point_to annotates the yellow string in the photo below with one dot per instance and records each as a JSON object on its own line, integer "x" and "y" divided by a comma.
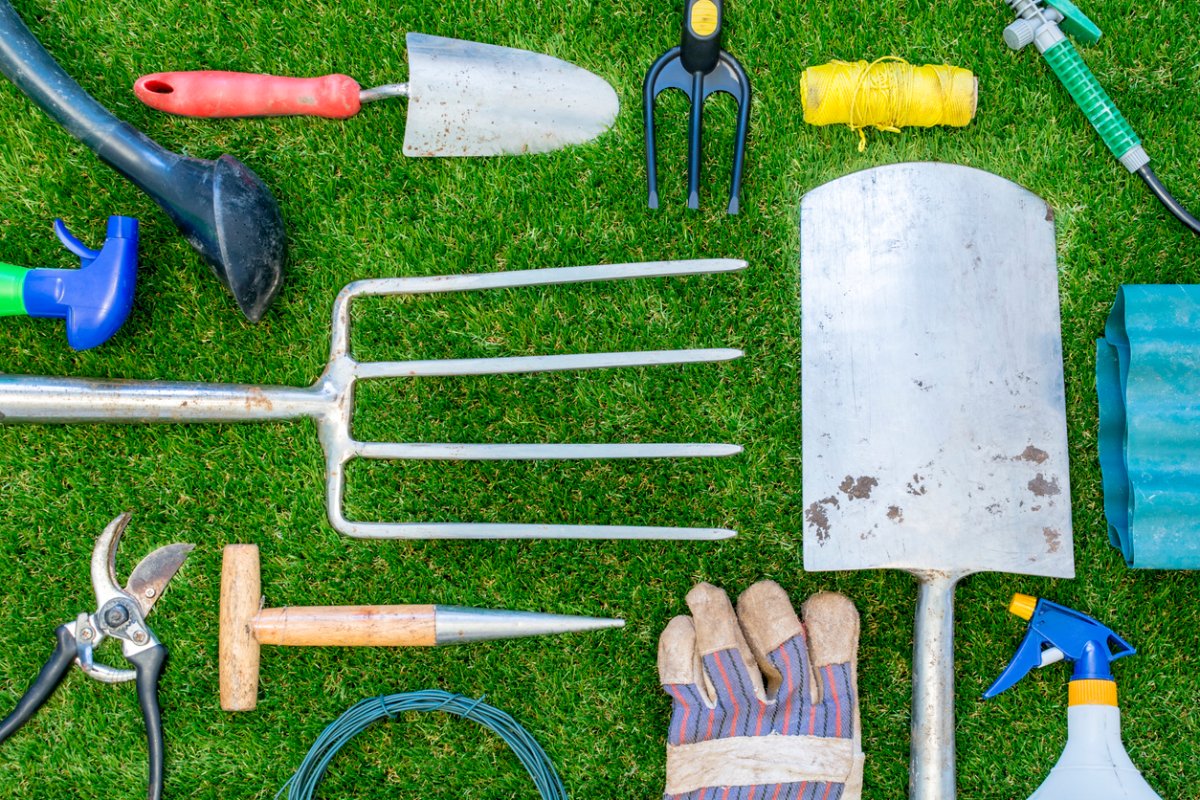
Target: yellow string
{"x": 887, "y": 94}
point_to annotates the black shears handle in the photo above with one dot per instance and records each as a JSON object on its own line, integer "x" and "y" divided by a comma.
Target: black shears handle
{"x": 148, "y": 666}
{"x": 44, "y": 685}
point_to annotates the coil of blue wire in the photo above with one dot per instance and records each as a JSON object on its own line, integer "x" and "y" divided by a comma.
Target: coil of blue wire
{"x": 303, "y": 783}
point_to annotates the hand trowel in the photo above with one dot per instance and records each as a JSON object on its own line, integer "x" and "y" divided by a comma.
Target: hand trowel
{"x": 464, "y": 98}
{"x": 934, "y": 422}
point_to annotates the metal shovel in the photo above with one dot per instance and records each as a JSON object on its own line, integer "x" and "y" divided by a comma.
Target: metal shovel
{"x": 330, "y": 402}
{"x": 934, "y": 427}
{"x": 464, "y": 98}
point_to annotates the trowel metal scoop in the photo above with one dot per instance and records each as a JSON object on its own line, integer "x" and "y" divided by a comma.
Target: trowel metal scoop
{"x": 464, "y": 98}
{"x": 934, "y": 429}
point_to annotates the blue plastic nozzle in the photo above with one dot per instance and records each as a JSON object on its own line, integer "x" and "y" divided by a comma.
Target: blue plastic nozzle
{"x": 1057, "y": 633}
{"x": 94, "y": 299}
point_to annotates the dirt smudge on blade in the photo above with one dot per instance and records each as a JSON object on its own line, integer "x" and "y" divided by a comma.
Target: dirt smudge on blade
{"x": 860, "y": 488}
{"x": 1053, "y": 540}
{"x": 1044, "y": 488}
{"x": 1033, "y": 455}
{"x": 818, "y": 518}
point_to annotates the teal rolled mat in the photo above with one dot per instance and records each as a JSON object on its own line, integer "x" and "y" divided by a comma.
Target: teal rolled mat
{"x": 1148, "y": 383}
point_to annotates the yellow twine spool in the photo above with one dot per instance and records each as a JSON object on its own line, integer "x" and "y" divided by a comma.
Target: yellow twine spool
{"x": 887, "y": 94}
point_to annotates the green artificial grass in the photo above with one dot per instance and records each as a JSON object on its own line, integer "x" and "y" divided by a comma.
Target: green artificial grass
{"x": 356, "y": 208}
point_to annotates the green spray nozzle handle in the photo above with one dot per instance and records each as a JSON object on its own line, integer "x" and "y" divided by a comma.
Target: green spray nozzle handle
{"x": 1075, "y": 22}
{"x": 1041, "y": 26}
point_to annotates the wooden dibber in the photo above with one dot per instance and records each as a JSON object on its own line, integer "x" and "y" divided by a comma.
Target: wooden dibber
{"x": 246, "y": 625}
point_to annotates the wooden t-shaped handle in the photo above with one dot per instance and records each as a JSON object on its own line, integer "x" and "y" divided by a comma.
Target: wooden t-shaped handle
{"x": 245, "y": 625}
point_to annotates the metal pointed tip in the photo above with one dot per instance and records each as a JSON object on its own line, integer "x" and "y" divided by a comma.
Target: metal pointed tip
{"x": 694, "y": 200}
{"x": 734, "y": 206}
{"x": 731, "y": 264}
{"x": 653, "y": 200}
{"x": 455, "y": 625}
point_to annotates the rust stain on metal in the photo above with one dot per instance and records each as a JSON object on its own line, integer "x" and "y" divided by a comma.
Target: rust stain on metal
{"x": 256, "y": 398}
{"x": 1053, "y": 540}
{"x": 1033, "y": 455}
{"x": 817, "y": 517}
{"x": 994, "y": 509}
{"x": 858, "y": 489}
{"x": 916, "y": 487}
{"x": 895, "y": 514}
{"x": 1044, "y": 488}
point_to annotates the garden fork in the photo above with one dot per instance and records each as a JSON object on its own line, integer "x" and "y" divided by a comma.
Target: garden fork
{"x": 329, "y": 402}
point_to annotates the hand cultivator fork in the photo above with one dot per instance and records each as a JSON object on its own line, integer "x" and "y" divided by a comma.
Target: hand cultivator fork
{"x": 698, "y": 67}
{"x": 329, "y": 402}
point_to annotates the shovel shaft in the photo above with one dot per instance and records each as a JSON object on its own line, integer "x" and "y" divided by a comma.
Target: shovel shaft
{"x": 931, "y": 776}
{"x": 215, "y": 93}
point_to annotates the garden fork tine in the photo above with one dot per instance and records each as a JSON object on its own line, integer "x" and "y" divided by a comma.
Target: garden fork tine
{"x": 699, "y": 68}
{"x": 329, "y": 402}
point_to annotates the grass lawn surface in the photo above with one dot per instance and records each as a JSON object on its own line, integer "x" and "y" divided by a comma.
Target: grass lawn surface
{"x": 357, "y": 208}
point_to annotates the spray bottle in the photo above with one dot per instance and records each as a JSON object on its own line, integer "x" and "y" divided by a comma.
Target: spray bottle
{"x": 1094, "y": 764}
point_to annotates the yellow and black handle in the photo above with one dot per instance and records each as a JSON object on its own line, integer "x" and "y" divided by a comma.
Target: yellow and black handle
{"x": 700, "y": 47}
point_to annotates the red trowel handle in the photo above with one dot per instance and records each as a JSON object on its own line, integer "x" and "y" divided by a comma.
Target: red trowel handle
{"x": 243, "y": 94}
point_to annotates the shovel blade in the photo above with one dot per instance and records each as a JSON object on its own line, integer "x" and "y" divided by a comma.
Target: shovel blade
{"x": 472, "y": 99}
{"x": 934, "y": 427}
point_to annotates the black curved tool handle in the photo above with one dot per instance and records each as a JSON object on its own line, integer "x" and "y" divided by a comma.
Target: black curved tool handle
{"x": 44, "y": 685}
{"x": 35, "y": 72}
{"x": 222, "y": 208}
{"x": 149, "y": 667}
{"x": 700, "y": 48}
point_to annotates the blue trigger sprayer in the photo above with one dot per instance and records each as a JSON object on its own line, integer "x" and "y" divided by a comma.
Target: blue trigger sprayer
{"x": 1094, "y": 764}
{"x": 94, "y": 299}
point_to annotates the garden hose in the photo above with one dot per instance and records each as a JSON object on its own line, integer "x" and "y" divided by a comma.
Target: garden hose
{"x": 303, "y": 783}
{"x": 1042, "y": 23}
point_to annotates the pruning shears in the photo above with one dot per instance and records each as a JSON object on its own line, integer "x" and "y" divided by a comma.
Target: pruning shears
{"x": 120, "y": 614}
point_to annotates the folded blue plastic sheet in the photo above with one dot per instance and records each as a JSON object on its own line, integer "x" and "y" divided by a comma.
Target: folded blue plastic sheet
{"x": 1148, "y": 382}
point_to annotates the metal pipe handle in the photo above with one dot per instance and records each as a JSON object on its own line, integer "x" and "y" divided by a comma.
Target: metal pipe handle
{"x": 25, "y": 398}
{"x": 931, "y": 776}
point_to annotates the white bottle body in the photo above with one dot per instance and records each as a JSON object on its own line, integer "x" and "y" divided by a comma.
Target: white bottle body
{"x": 1094, "y": 764}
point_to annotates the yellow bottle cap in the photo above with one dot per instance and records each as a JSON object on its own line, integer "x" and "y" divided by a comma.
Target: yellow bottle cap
{"x": 1023, "y": 606}
{"x": 1092, "y": 693}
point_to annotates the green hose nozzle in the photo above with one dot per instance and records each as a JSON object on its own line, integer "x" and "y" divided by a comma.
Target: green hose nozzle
{"x": 1042, "y": 23}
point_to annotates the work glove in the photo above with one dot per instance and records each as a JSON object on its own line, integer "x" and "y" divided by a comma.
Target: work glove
{"x": 764, "y": 707}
